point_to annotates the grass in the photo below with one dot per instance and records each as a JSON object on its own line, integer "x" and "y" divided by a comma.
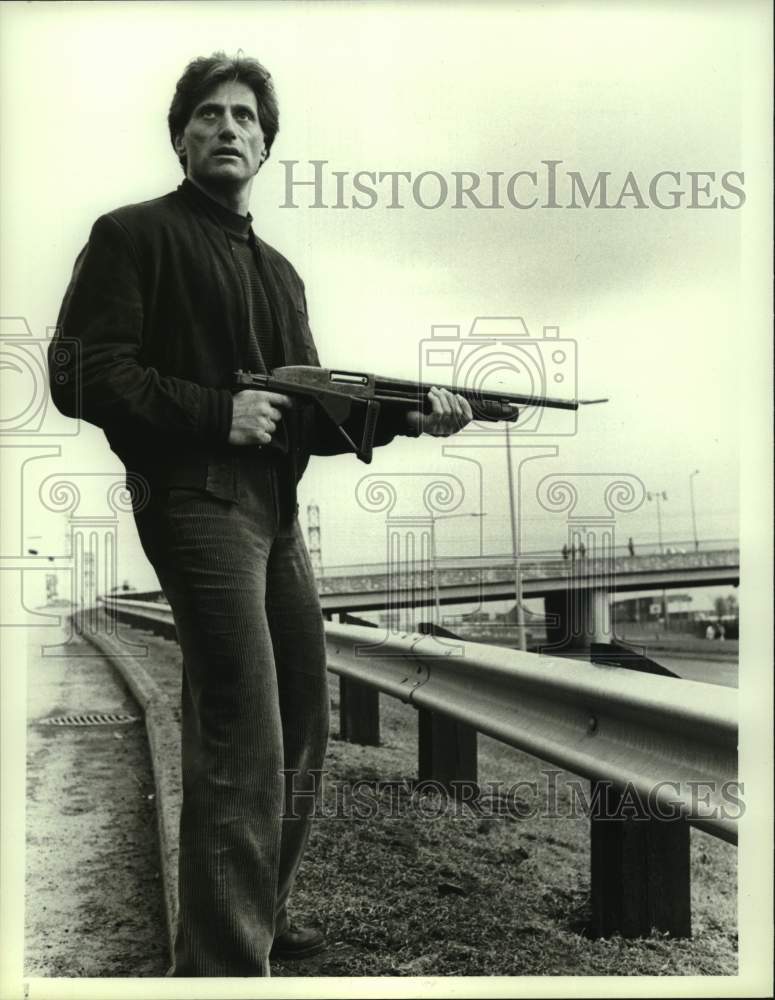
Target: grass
{"x": 452, "y": 893}
{"x": 443, "y": 891}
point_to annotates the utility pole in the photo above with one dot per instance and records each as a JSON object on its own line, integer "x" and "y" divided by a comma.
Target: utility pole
{"x": 435, "y": 573}
{"x": 313, "y": 531}
{"x": 520, "y": 614}
{"x": 658, "y": 497}
{"x": 434, "y": 557}
{"x": 694, "y": 513}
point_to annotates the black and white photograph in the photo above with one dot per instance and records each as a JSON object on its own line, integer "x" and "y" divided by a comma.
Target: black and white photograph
{"x": 386, "y": 442}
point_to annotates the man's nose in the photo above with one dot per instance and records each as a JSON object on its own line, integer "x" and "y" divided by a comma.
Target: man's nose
{"x": 227, "y": 129}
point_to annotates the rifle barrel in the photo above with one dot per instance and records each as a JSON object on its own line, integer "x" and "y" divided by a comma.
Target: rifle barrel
{"x": 400, "y": 389}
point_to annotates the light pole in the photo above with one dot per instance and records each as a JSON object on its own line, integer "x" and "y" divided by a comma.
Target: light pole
{"x": 435, "y": 572}
{"x": 434, "y": 566}
{"x": 659, "y": 496}
{"x": 694, "y": 513}
{"x": 520, "y": 614}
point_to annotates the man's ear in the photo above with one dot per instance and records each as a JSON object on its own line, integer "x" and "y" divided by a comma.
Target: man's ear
{"x": 180, "y": 144}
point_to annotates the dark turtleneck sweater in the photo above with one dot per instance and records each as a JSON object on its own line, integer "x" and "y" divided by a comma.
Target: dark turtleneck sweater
{"x": 262, "y": 348}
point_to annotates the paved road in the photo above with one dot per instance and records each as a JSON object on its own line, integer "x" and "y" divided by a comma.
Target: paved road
{"x": 718, "y": 671}
{"x": 93, "y": 890}
{"x": 715, "y": 669}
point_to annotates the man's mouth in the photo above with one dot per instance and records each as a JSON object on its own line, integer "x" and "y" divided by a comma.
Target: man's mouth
{"x": 227, "y": 151}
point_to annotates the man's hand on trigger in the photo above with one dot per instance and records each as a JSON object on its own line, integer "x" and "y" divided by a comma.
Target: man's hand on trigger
{"x": 450, "y": 412}
{"x": 255, "y": 416}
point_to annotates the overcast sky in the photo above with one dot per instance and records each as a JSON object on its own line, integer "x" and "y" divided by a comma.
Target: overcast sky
{"x": 655, "y": 302}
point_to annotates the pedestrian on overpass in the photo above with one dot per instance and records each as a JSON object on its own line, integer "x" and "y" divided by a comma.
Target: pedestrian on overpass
{"x": 168, "y": 298}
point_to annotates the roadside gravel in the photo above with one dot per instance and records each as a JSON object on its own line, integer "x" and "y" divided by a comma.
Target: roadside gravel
{"x": 93, "y": 887}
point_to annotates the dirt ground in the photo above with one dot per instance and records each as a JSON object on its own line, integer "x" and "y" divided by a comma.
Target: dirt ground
{"x": 93, "y": 899}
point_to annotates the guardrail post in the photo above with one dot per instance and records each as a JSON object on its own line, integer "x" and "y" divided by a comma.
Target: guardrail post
{"x": 447, "y": 751}
{"x": 641, "y": 865}
{"x": 640, "y": 871}
{"x": 358, "y": 704}
{"x": 358, "y": 713}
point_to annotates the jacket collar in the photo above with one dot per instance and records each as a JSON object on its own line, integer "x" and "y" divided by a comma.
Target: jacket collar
{"x": 240, "y": 225}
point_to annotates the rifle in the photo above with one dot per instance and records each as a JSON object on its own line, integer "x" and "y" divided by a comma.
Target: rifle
{"x": 337, "y": 392}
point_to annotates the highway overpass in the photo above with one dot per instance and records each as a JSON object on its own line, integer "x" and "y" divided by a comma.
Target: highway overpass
{"x": 491, "y": 578}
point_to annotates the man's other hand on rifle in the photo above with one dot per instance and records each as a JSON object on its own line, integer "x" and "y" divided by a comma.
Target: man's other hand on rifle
{"x": 450, "y": 412}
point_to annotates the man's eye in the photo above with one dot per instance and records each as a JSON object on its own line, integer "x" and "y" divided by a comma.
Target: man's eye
{"x": 207, "y": 114}
{"x": 244, "y": 116}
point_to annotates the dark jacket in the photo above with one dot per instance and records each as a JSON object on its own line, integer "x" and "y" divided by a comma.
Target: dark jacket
{"x": 152, "y": 326}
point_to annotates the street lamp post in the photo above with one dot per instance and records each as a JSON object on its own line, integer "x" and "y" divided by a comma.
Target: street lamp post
{"x": 520, "y": 614}
{"x": 435, "y": 572}
{"x": 434, "y": 565}
{"x": 658, "y": 497}
{"x": 694, "y": 513}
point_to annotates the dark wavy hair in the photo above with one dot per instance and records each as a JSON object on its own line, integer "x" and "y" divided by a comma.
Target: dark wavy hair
{"x": 204, "y": 74}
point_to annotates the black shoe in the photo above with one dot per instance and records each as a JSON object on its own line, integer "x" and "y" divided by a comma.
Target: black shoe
{"x": 297, "y": 942}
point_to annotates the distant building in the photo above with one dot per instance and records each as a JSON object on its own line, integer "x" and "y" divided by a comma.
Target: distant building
{"x": 648, "y": 607}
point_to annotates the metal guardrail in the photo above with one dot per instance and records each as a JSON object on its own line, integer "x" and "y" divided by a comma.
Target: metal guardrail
{"x": 668, "y": 743}
{"x": 150, "y": 596}
{"x": 657, "y": 735}
{"x": 654, "y": 734}
{"x": 155, "y": 614}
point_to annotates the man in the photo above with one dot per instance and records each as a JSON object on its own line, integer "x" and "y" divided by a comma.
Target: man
{"x": 167, "y": 300}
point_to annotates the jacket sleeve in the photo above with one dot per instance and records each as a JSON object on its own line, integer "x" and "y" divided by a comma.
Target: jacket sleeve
{"x": 104, "y": 380}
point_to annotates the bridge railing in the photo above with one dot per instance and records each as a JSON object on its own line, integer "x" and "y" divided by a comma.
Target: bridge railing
{"x": 497, "y": 569}
{"x": 667, "y": 744}
{"x": 544, "y": 556}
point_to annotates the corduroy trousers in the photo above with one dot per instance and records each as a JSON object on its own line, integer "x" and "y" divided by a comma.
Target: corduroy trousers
{"x": 254, "y": 711}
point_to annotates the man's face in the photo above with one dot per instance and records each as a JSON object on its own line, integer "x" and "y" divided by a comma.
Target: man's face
{"x": 223, "y": 140}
